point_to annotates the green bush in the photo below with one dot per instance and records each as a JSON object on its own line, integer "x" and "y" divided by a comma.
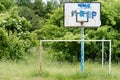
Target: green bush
{"x": 7, "y": 3}
{"x": 2, "y": 7}
{"x": 15, "y": 23}
{"x": 11, "y": 47}
{"x": 30, "y": 40}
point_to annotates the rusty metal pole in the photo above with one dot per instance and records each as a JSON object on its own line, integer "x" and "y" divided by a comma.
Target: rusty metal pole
{"x": 41, "y": 52}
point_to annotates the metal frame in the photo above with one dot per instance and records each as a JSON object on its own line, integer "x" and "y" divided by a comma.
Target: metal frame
{"x": 41, "y": 48}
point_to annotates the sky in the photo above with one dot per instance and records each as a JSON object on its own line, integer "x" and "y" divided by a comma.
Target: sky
{"x": 32, "y": 1}
{"x": 45, "y": 1}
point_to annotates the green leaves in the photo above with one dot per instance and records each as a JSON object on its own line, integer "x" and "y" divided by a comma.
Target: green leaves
{"x": 2, "y": 7}
{"x": 14, "y": 23}
{"x": 15, "y": 35}
{"x": 22, "y": 25}
{"x": 7, "y": 4}
{"x": 50, "y": 32}
{"x": 56, "y": 18}
{"x": 11, "y": 47}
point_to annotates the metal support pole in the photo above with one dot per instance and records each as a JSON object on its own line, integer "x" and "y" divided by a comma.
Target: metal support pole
{"x": 102, "y": 53}
{"x": 110, "y": 58}
{"x": 41, "y": 52}
{"x": 82, "y": 50}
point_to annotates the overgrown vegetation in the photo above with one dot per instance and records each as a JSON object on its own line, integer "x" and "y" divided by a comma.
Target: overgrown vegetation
{"x": 29, "y": 70}
{"x": 23, "y": 23}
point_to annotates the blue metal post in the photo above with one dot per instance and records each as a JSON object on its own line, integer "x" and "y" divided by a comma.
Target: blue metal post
{"x": 82, "y": 50}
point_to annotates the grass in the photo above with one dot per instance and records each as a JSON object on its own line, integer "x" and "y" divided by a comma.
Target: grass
{"x": 56, "y": 71}
{"x": 93, "y": 71}
{"x": 29, "y": 70}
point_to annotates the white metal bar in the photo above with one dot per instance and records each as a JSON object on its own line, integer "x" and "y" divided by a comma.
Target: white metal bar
{"x": 110, "y": 58}
{"x": 74, "y": 40}
{"x": 102, "y": 53}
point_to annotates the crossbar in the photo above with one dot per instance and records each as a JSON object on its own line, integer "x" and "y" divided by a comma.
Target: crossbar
{"x": 74, "y": 40}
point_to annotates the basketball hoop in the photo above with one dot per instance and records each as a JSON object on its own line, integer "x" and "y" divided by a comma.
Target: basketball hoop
{"x": 82, "y": 14}
{"x": 81, "y": 22}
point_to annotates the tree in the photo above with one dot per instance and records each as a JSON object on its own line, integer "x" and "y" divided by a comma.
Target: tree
{"x": 56, "y": 17}
{"x": 11, "y": 47}
{"x": 7, "y": 3}
{"x": 14, "y": 23}
{"x": 32, "y": 17}
{"x": 2, "y": 7}
{"x": 24, "y": 2}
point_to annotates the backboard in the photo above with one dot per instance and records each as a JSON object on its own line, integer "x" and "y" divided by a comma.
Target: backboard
{"x": 82, "y": 14}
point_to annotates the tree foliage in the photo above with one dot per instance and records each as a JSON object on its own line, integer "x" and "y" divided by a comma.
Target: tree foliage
{"x": 7, "y": 3}
{"x": 23, "y": 23}
{"x": 11, "y": 47}
{"x": 15, "y": 34}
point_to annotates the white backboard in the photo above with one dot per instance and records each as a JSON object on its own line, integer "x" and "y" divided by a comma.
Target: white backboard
{"x": 82, "y": 14}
